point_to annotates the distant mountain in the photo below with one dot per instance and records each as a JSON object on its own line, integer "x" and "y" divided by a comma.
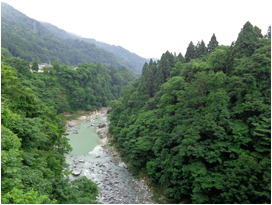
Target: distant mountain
{"x": 131, "y": 60}
{"x": 32, "y": 40}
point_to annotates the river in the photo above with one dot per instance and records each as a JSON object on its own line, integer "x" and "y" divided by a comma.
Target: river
{"x": 116, "y": 184}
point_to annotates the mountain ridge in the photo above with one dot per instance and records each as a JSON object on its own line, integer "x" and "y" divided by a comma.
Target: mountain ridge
{"x": 41, "y": 41}
{"x": 125, "y": 56}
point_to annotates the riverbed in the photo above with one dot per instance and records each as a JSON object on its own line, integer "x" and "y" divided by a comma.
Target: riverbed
{"x": 116, "y": 184}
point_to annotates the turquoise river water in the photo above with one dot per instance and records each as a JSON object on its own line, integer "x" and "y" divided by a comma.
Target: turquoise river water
{"x": 116, "y": 184}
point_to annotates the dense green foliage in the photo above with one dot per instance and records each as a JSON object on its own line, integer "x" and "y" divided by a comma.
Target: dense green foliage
{"x": 31, "y": 40}
{"x": 33, "y": 149}
{"x": 32, "y": 146}
{"x": 201, "y": 127}
{"x": 64, "y": 89}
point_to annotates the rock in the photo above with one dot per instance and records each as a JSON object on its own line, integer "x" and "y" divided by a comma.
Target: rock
{"x": 101, "y": 125}
{"x": 70, "y": 125}
{"x": 97, "y": 157}
{"x": 82, "y": 161}
{"x": 66, "y": 133}
{"x": 83, "y": 118}
{"x": 109, "y": 110}
{"x": 122, "y": 164}
{"x": 75, "y": 132}
{"x": 76, "y": 172}
{"x": 71, "y": 129}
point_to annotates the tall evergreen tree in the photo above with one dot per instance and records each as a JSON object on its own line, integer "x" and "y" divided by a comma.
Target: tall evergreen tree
{"x": 181, "y": 58}
{"x": 268, "y": 35}
{"x": 159, "y": 79}
{"x": 212, "y": 44}
{"x": 167, "y": 62}
{"x": 200, "y": 50}
{"x": 143, "y": 90}
{"x": 150, "y": 78}
{"x": 258, "y": 32}
{"x": 190, "y": 52}
{"x": 247, "y": 41}
{"x": 197, "y": 54}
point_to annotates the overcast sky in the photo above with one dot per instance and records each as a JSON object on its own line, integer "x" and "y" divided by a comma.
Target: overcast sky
{"x": 150, "y": 27}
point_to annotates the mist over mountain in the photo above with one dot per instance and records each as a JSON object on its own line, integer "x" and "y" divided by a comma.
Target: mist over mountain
{"x": 131, "y": 60}
{"x": 33, "y": 40}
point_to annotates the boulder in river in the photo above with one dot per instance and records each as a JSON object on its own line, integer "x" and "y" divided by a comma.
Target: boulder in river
{"x": 71, "y": 129}
{"x": 83, "y": 118}
{"x": 101, "y": 125}
{"x": 75, "y": 132}
{"x": 122, "y": 164}
{"x": 76, "y": 172}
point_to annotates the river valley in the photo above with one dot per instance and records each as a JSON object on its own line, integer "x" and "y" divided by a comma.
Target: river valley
{"x": 92, "y": 157}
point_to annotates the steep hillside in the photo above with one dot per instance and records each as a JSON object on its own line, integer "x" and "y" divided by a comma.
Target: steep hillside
{"x": 200, "y": 126}
{"x": 131, "y": 60}
{"x": 29, "y": 39}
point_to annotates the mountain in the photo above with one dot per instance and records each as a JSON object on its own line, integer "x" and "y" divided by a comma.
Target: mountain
{"x": 31, "y": 40}
{"x": 131, "y": 60}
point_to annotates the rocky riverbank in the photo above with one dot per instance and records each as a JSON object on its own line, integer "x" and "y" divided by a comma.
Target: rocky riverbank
{"x": 141, "y": 185}
{"x": 86, "y": 116}
{"x": 104, "y": 166}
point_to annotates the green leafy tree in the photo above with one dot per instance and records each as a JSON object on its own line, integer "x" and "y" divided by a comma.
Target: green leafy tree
{"x": 35, "y": 66}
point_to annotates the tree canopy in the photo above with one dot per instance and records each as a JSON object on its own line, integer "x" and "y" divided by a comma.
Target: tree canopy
{"x": 201, "y": 129}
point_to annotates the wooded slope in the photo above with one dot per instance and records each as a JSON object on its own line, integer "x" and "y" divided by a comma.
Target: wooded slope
{"x": 200, "y": 126}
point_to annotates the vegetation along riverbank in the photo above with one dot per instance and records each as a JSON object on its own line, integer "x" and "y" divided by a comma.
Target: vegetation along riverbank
{"x": 193, "y": 128}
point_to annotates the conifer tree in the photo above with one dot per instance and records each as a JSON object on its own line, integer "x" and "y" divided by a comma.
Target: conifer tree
{"x": 167, "y": 62}
{"x": 181, "y": 58}
{"x": 159, "y": 79}
{"x": 212, "y": 44}
{"x": 247, "y": 40}
{"x": 200, "y": 50}
{"x": 190, "y": 52}
{"x": 197, "y": 54}
{"x": 150, "y": 78}
{"x": 143, "y": 91}
{"x": 258, "y": 32}
{"x": 268, "y": 35}
{"x": 153, "y": 72}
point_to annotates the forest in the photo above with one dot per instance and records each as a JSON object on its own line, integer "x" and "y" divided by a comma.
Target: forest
{"x": 33, "y": 40}
{"x": 32, "y": 147}
{"x": 199, "y": 125}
